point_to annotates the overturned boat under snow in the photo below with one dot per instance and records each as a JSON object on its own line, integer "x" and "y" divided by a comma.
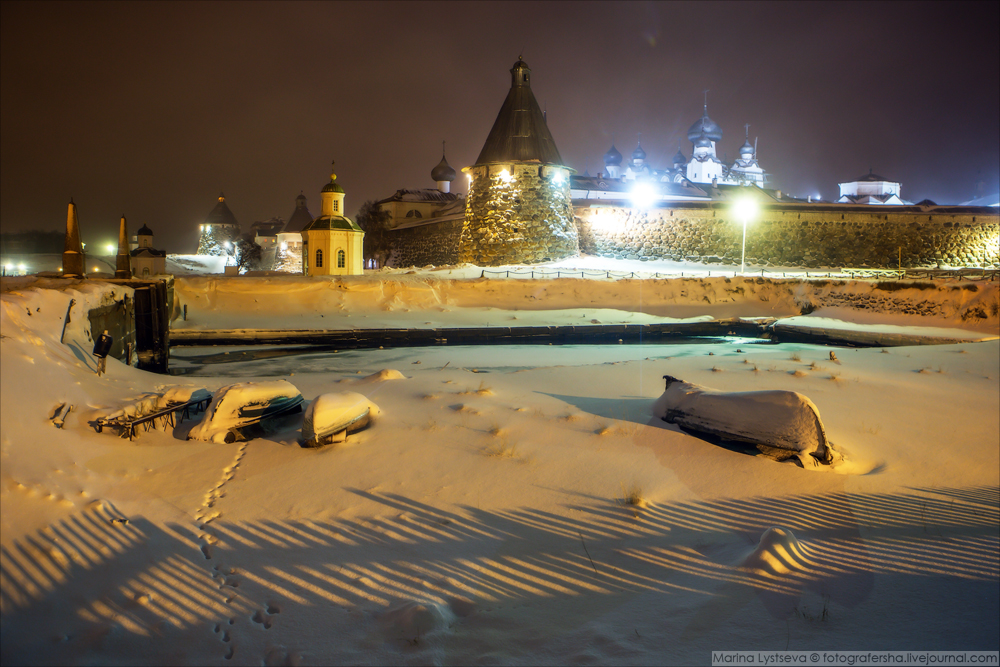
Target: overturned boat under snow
{"x": 247, "y": 410}
{"x": 330, "y": 417}
{"x": 782, "y": 425}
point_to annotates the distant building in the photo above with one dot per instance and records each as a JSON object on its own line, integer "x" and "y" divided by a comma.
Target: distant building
{"x": 145, "y": 260}
{"x": 704, "y": 167}
{"x": 332, "y": 243}
{"x": 871, "y": 189}
{"x": 288, "y": 256}
{"x": 988, "y": 200}
{"x": 265, "y": 232}
{"x": 218, "y": 229}
{"x": 408, "y": 207}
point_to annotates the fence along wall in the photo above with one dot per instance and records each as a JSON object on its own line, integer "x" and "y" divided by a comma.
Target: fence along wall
{"x": 799, "y": 236}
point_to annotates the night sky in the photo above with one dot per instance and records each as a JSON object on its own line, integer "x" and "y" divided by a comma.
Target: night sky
{"x": 151, "y": 109}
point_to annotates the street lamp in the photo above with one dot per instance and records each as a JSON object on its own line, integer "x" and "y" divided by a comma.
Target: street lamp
{"x": 745, "y": 208}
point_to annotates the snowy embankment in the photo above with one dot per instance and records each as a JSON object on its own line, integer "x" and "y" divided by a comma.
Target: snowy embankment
{"x": 501, "y": 510}
{"x": 422, "y": 300}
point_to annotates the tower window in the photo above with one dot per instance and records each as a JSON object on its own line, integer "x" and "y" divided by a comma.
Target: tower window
{"x": 319, "y": 259}
{"x": 341, "y": 259}
{"x": 336, "y": 205}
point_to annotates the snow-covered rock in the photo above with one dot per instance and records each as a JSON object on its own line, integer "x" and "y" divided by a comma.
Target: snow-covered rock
{"x": 243, "y": 404}
{"x": 331, "y": 416}
{"x": 782, "y": 420}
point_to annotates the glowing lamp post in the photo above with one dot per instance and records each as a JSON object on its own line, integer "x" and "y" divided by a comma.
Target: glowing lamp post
{"x": 745, "y": 209}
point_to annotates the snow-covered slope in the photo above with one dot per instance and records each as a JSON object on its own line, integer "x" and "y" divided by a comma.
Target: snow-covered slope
{"x": 510, "y": 505}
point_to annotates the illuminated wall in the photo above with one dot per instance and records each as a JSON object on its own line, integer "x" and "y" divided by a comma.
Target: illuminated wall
{"x": 517, "y": 214}
{"x": 432, "y": 244}
{"x": 796, "y": 235}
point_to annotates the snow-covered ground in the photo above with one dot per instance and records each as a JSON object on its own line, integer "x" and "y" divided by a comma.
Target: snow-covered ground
{"x": 510, "y": 504}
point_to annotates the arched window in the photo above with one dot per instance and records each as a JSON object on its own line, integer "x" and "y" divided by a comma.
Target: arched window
{"x": 319, "y": 258}
{"x": 341, "y": 259}
{"x": 145, "y": 271}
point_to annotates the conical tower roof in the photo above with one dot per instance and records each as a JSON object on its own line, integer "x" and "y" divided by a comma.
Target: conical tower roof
{"x": 519, "y": 133}
{"x": 221, "y": 215}
{"x": 300, "y": 216}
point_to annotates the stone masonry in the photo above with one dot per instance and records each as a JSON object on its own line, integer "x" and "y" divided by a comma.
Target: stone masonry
{"x": 799, "y": 236}
{"x": 431, "y": 244}
{"x": 514, "y": 215}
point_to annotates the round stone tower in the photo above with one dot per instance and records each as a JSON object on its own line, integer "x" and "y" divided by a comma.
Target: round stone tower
{"x": 518, "y": 209}
{"x": 219, "y": 228}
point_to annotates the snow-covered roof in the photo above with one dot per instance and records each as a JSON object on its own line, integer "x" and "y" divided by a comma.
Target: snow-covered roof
{"x": 425, "y": 195}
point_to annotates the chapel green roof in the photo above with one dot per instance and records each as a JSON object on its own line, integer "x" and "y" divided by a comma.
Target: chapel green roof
{"x": 332, "y": 222}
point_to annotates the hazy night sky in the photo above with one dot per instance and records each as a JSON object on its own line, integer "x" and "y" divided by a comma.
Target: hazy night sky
{"x": 151, "y": 109}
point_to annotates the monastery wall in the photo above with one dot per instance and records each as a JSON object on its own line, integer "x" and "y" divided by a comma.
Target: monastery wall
{"x": 431, "y": 244}
{"x": 800, "y": 236}
{"x": 809, "y": 237}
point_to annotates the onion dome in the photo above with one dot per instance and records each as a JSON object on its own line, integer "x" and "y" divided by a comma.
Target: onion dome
{"x": 679, "y": 157}
{"x": 612, "y": 158}
{"x": 332, "y": 186}
{"x": 144, "y": 231}
{"x": 746, "y": 148}
{"x": 702, "y": 141}
{"x": 705, "y": 126}
{"x": 443, "y": 171}
{"x": 638, "y": 153}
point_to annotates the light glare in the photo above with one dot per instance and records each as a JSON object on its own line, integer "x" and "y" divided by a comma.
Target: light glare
{"x": 643, "y": 195}
{"x": 745, "y": 208}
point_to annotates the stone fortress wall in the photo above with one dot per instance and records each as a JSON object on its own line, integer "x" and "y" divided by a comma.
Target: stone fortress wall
{"x": 803, "y": 235}
{"x": 431, "y": 244}
{"x": 806, "y": 235}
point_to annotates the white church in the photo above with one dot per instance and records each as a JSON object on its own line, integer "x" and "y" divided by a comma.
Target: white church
{"x": 703, "y": 177}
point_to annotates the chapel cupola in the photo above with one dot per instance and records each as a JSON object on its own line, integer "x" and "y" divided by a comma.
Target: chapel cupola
{"x": 332, "y": 196}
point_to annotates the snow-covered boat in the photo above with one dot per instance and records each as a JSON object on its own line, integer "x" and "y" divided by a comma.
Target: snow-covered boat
{"x": 781, "y": 424}
{"x": 247, "y": 409}
{"x": 330, "y": 417}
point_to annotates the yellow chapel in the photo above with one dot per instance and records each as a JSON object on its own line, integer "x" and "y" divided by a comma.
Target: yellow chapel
{"x": 332, "y": 243}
